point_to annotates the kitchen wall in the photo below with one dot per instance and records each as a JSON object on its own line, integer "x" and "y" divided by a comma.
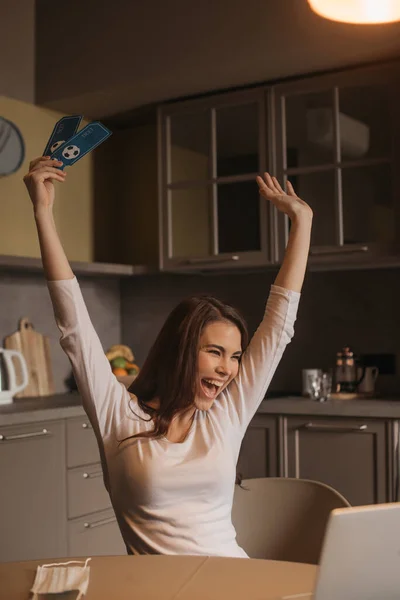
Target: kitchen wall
{"x": 17, "y": 49}
{"x": 73, "y": 209}
{"x": 359, "y": 308}
{"x": 24, "y": 295}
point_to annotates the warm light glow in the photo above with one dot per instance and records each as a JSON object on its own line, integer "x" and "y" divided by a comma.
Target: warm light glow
{"x": 358, "y": 11}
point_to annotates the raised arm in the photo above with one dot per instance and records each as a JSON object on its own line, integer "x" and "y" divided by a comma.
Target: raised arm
{"x": 266, "y": 348}
{"x": 102, "y": 395}
{"x": 292, "y": 271}
{"x": 39, "y": 182}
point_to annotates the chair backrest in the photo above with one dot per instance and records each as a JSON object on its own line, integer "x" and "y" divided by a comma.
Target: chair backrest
{"x": 281, "y": 518}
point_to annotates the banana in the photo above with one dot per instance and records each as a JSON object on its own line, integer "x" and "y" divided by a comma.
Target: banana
{"x": 120, "y": 350}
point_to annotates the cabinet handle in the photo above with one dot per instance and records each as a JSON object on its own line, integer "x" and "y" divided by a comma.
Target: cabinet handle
{"x": 338, "y": 250}
{"x": 86, "y": 426}
{"x": 92, "y": 475}
{"x": 397, "y": 491}
{"x": 21, "y": 436}
{"x": 99, "y": 523}
{"x": 210, "y": 261}
{"x": 341, "y": 428}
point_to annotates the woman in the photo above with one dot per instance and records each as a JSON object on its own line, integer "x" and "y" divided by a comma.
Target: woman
{"x": 169, "y": 450}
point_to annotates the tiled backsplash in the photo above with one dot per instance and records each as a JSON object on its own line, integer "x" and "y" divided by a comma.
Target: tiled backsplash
{"x": 27, "y": 295}
{"x": 359, "y": 308}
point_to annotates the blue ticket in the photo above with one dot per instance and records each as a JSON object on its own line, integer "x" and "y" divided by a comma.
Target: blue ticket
{"x": 81, "y": 143}
{"x": 63, "y": 130}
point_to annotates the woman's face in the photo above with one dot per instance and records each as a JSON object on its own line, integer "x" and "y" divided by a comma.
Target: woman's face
{"x": 218, "y": 361}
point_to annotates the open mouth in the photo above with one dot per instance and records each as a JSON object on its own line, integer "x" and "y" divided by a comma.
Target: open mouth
{"x": 210, "y": 387}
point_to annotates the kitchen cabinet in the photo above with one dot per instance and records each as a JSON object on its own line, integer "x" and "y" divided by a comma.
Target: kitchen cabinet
{"x": 95, "y": 535}
{"x": 351, "y": 455}
{"x": 211, "y": 151}
{"x": 338, "y": 143}
{"x": 358, "y": 457}
{"x": 92, "y": 525}
{"x": 33, "y": 491}
{"x": 53, "y": 502}
{"x": 178, "y": 192}
{"x": 260, "y": 453}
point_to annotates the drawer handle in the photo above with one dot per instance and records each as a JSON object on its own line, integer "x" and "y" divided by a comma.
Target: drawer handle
{"x": 341, "y": 428}
{"x": 86, "y": 426}
{"x": 23, "y": 436}
{"x": 339, "y": 250}
{"x": 92, "y": 475}
{"x": 99, "y": 523}
{"x": 209, "y": 261}
{"x": 397, "y": 495}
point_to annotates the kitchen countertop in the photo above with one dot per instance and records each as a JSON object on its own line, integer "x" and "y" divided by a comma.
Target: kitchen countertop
{"x": 61, "y": 406}
{"x": 378, "y": 408}
{"x": 44, "y": 408}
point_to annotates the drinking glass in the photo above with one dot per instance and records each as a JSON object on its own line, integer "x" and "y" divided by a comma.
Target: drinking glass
{"x": 320, "y": 386}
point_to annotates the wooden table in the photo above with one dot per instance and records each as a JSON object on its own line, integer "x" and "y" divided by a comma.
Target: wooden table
{"x": 173, "y": 578}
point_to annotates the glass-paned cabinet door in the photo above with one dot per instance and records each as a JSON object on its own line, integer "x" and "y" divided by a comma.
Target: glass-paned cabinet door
{"x": 365, "y": 122}
{"x": 212, "y": 150}
{"x": 190, "y": 212}
{"x": 307, "y": 155}
{"x": 366, "y": 126}
{"x": 318, "y": 189}
{"x": 238, "y": 207}
{"x": 337, "y": 141}
{"x": 310, "y": 131}
{"x": 189, "y": 147}
{"x": 237, "y": 147}
{"x": 368, "y": 206}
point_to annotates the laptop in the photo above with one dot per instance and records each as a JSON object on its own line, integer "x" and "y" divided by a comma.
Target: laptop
{"x": 360, "y": 557}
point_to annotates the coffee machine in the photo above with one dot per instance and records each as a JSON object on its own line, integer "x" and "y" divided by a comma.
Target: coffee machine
{"x": 347, "y": 374}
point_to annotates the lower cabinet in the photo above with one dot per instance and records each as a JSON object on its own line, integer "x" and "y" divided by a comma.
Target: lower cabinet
{"x": 351, "y": 455}
{"x": 92, "y": 527}
{"x": 86, "y": 491}
{"x": 259, "y": 454}
{"x": 53, "y": 502}
{"x": 33, "y": 495}
{"x": 358, "y": 457}
{"x": 94, "y": 535}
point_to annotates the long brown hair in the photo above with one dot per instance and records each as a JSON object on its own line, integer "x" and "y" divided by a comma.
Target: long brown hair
{"x": 169, "y": 372}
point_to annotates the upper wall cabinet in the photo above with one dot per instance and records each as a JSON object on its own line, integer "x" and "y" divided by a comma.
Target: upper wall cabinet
{"x": 338, "y": 143}
{"x": 211, "y": 151}
{"x": 179, "y": 192}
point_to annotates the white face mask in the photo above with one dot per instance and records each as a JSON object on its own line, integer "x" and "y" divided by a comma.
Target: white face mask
{"x": 58, "y": 578}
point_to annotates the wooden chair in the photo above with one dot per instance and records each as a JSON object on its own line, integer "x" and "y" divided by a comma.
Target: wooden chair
{"x": 282, "y": 518}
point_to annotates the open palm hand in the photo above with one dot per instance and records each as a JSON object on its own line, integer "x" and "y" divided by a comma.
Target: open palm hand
{"x": 286, "y": 202}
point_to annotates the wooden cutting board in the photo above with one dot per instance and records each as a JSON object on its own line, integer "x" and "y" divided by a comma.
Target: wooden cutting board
{"x": 35, "y": 348}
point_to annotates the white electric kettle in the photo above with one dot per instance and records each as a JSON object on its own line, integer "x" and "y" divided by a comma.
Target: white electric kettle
{"x": 8, "y": 375}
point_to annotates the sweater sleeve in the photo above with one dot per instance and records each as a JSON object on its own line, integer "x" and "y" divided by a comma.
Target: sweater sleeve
{"x": 103, "y": 396}
{"x": 261, "y": 358}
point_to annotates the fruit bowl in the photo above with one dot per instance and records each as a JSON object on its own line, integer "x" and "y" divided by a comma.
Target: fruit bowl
{"x": 121, "y": 359}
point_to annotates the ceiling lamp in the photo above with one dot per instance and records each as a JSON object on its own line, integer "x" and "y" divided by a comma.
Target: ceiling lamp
{"x": 358, "y": 11}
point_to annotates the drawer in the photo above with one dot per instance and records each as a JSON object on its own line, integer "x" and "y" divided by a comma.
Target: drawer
{"x": 95, "y": 535}
{"x": 33, "y": 494}
{"x": 86, "y": 491}
{"x": 82, "y": 446}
